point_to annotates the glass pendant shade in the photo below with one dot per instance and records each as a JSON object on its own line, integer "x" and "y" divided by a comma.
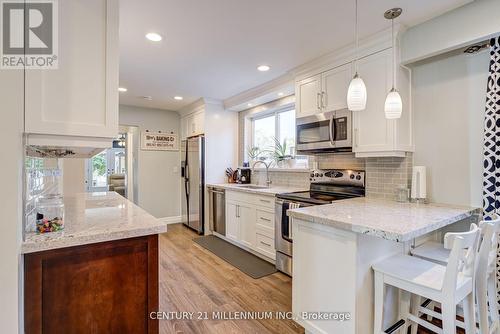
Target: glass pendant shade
{"x": 393, "y": 105}
{"x": 356, "y": 94}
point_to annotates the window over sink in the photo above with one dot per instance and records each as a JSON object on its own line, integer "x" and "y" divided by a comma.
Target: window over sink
{"x": 278, "y": 126}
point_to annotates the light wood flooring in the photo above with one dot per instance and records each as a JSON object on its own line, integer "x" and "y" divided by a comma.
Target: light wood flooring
{"x": 192, "y": 279}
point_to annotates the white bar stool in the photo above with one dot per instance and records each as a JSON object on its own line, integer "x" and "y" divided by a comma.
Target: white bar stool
{"x": 449, "y": 285}
{"x": 486, "y": 285}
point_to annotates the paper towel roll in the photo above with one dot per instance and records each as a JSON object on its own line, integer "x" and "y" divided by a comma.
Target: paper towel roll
{"x": 418, "y": 183}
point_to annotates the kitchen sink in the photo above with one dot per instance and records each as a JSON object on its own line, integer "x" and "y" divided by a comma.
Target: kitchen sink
{"x": 253, "y": 186}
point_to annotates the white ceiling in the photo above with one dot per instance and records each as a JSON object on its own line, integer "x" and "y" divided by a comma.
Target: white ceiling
{"x": 211, "y": 48}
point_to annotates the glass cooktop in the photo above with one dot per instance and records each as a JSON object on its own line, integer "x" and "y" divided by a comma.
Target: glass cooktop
{"x": 313, "y": 197}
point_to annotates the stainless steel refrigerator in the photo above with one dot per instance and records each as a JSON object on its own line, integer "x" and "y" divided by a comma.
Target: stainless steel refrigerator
{"x": 193, "y": 182}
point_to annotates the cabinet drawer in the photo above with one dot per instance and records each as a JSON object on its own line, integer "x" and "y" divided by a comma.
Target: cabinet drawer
{"x": 265, "y": 219}
{"x": 265, "y": 245}
{"x": 265, "y": 201}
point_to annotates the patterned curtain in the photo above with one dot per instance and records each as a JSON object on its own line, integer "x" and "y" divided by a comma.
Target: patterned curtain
{"x": 491, "y": 171}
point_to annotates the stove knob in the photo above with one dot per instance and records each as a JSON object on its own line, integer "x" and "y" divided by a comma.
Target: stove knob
{"x": 321, "y": 175}
{"x": 358, "y": 177}
{"x": 317, "y": 174}
{"x": 312, "y": 174}
{"x": 310, "y": 179}
{"x": 351, "y": 176}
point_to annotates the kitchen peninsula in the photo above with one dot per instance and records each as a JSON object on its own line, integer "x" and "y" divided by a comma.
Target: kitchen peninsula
{"x": 99, "y": 274}
{"x": 335, "y": 246}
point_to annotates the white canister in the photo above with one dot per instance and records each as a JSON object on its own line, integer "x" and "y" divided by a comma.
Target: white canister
{"x": 418, "y": 183}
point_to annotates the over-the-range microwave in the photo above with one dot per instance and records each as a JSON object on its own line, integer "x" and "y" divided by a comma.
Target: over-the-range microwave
{"x": 325, "y": 132}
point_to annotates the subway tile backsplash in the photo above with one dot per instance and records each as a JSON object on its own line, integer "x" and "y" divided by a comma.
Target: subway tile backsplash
{"x": 384, "y": 175}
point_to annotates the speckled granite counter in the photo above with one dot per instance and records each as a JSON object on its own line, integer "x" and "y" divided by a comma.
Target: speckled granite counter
{"x": 271, "y": 191}
{"x": 385, "y": 219}
{"x": 95, "y": 217}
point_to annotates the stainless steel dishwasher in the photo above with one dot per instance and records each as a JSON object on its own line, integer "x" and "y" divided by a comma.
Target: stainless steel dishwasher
{"x": 217, "y": 210}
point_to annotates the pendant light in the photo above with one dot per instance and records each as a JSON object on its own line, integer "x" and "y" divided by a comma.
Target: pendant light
{"x": 356, "y": 94}
{"x": 393, "y": 103}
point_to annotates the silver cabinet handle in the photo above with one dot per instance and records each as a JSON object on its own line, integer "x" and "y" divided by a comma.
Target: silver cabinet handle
{"x": 317, "y": 101}
{"x": 265, "y": 219}
{"x": 355, "y": 137}
{"x": 323, "y": 99}
{"x": 264, "y": 201}
{"x": 265, "y": 243}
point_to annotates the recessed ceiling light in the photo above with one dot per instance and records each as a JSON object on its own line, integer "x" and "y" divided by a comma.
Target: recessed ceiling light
{"x": 122, "y": 89}
{"x": 281, "y": 94}
{"x": 154, "y": 37}
{"x": 263, "y": 68}
{"x": 178, "y": 98}
{"x": 147, "y": 97}
{"x": 249, "y": 105}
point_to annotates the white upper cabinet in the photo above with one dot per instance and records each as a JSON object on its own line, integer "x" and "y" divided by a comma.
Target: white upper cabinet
{"x": 373, "y": 134}
{"x": 323, "y": 92}
{"x": 193, "y": 124}
{"x": 80, "y": 98}
{"x": 308, "y": 96}
{"x": 335, "y": 84}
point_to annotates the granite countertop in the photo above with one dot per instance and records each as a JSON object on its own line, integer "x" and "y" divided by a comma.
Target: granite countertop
{"x": 385, "y": 219}
{"x": 271, "y": 191}
{"x": 95, "y": 217}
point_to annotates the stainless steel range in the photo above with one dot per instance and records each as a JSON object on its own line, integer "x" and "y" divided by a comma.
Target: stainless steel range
{"x": 326, "y": 187}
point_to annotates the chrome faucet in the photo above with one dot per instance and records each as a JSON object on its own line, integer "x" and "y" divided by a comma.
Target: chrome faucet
{"x": 268, "y": 181}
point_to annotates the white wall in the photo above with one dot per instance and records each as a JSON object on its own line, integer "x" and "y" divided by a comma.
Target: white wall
{"x": 11, "y": 168}
{"x": 449, "y": 102}
{"x": 158, "y": 176}
{"x": 466, "y": 25}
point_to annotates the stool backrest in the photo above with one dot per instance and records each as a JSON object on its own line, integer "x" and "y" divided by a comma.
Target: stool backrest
{"x": 460, "y": 261}
{"x": 488, "y": 250}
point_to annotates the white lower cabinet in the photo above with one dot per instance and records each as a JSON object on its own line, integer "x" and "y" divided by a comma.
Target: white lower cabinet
{"x": 250, "y": 221}
{"x": 232, "y": 221}
{"x": 246, "y": 214}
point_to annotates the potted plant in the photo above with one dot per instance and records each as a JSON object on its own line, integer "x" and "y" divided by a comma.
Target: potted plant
{"x": 254, "y": 154}
{"x": 280, "y": 154}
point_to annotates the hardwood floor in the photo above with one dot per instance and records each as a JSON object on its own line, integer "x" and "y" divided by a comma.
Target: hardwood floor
{"x": 193, "y": 279}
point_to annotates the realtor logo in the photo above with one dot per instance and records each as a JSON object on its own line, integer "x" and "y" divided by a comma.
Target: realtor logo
{"x": 29, "y": 34}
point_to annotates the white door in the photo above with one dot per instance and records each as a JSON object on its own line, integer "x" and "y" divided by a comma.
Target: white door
{"x": 232, "y": 223}
{"x": 308, "y": 96}
{"x": 80, "y": 98}
{"x": 335, "y": 84}
{"x": 102, "y": 165}
{"x": 372, "y": 131}
{"x": 248, "y": 220}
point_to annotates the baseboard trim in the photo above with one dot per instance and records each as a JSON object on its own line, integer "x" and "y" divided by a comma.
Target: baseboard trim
{"x": 171, "y": 220}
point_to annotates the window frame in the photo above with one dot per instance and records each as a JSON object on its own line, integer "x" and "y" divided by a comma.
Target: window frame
{"x": 275, "y": 113}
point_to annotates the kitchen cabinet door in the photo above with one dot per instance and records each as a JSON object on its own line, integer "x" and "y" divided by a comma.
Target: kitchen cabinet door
{"x": 184, "y": 127}
{"x": 308, "y": 96}
{"x": 372, "y": 131}
{"x": 247, "y": 223}
{"x": 232, "y": 221}
{"x": 199, "y": 123}
{"x": 80, "y": 98}
{"x": 335, "y": 84}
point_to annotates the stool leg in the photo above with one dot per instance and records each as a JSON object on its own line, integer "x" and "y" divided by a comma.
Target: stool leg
{"x": 492, "y": 300}
{"x": 404, "y": 308}
{"x": 416, "y": 301}
{"x": 482, "y": 303}
{"x": 378, "y": 303}
{"x": 469, "y": 314}
{"x": 449, "y": 313}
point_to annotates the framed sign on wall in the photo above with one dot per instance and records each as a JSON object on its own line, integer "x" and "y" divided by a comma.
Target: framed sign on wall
{"x": 159, "y": 141}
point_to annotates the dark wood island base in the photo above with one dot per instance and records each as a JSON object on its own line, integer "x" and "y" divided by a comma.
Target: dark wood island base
{"x": 107, "y": 287}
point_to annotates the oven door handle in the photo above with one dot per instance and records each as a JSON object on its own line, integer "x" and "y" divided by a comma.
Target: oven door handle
{"x": 332, "y": 129}
{"x": 285, "y": 223}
